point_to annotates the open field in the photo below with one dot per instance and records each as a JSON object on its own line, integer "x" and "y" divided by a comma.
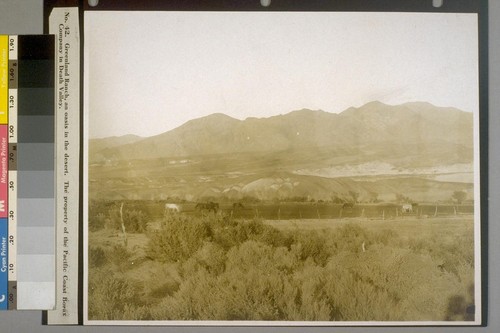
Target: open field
{"x": 155, "y": 209}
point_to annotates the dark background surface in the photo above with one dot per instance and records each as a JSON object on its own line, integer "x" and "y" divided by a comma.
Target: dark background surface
{"x": 26, "y": 17}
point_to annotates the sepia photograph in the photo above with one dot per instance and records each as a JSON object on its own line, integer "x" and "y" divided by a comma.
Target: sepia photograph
{"x": 281, "y": 168}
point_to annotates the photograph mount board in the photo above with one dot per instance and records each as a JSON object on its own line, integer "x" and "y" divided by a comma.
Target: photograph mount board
{"x": 342, "y": 146}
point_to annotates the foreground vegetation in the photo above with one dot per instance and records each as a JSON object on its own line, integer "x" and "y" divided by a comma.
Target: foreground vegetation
{"x": 215, "y": 267}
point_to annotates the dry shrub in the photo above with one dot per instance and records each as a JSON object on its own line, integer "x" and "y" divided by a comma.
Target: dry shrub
{"x": 109, "y": 296}
{"x": 178, "y": 239}
{"x": 224, "y": 269}
{"x": 97, "y": 257}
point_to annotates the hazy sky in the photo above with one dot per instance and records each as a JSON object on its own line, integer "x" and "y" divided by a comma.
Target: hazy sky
{"x": 149, "y": 72}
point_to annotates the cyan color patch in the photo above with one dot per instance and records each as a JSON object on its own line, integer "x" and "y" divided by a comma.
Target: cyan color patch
{"x": 4, "y": 266}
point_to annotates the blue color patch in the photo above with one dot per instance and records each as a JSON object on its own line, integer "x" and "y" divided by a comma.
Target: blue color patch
{"x": 4, "y": 263}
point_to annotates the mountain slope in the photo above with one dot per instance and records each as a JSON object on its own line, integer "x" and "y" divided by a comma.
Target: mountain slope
{"x": 372, "y": 124}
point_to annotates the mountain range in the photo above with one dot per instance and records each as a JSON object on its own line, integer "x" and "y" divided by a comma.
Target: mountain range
{"x": 414, "y": 148}
{"x": 375, "y": 123}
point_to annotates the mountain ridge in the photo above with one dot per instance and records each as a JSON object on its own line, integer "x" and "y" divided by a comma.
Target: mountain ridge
{"x": 374, "y": 122}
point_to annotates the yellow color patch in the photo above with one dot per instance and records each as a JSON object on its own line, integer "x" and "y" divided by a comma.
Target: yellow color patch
{"x": 4, "y": 78}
